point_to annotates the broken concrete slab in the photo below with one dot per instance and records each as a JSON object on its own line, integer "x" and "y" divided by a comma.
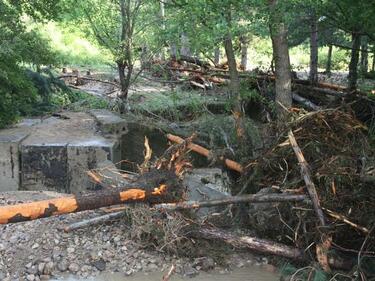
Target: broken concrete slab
{"x": 109, "y": 123}
{"x": 9, "y": 158}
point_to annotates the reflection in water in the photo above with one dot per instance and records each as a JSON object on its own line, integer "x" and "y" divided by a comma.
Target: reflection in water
{"x": 246, "y": 274}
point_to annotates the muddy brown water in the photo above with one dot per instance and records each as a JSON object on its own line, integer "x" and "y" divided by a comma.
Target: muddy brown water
{"x": 252, "y": 273}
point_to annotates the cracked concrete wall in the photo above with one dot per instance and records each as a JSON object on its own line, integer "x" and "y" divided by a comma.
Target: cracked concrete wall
{"x": 9, "y": 160}
{"x": 55, "y": 154}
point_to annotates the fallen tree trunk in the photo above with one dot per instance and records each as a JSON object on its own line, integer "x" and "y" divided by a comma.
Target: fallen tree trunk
{"x": 205, "y": 152}
{"x": 305, "y": 102}
{"x": 253, "y": 243}
{"x": 193, "y": 60}
{"x": 89, "y": 79}
{"x": 251, "y": 198}
{"x": 266, "y": 246}
{"x": 152, "y": 187}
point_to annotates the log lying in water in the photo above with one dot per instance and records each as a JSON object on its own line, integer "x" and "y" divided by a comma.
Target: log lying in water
{"x": 267, "y": 246}
{"x": 152, "y": 187}
{"x": 253, "y": 243}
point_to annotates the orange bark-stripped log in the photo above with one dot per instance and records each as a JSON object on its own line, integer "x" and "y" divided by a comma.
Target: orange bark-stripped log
{"x": 153, "y": 187}
{"x": 205, "y": 152}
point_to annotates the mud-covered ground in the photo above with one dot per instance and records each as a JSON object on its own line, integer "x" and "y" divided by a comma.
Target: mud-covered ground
{"x": 41, "y": 250}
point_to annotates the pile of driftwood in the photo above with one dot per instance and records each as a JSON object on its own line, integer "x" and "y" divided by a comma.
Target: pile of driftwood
{"x": 202, "y": 75}
{"x": 159, "y": 185}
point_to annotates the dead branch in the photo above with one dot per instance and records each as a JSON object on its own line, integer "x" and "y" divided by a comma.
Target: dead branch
{"x": 94, "y": 221}
{"x": 305, "y": 172}
{"x": 205, "y": 152}
{"x": 322, "y": 247}
{"x": 346, "y": 220}
{"x": 169, "y": 273}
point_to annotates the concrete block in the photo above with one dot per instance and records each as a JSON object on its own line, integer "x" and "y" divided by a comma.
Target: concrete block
{"x": 9, "y": 159}
{"x": 83, "y": 158}
{"x": 45, "y": 167}
{"x": 108, "y": 122}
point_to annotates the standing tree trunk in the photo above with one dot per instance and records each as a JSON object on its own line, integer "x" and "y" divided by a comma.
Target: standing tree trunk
{"x": 162, "y": 16}
{"x": 314, "y": 50}
{"x": 283, "y": 81}
{"x": 364, "y": 55}
{"x": 373, "y": 62}
{"x": 185, "y": 48}
{"x": 235, "y": 87}
{"x": 125, "y": 61}
{"x": 244, "y": 47}
{"x": 353, "y": 66}
{"x": 329, "y": 60}
{"x": 217, "y": 56}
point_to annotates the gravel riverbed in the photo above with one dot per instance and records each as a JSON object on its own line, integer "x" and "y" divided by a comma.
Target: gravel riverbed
{"x": 41, "y": 250}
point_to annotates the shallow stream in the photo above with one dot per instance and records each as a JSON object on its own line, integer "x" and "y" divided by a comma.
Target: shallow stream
{"x": 250, "y": 273}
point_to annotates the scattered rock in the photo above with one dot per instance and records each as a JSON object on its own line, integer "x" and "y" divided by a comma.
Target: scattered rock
{"x": 62, "y": 266}
{"x": 189, "y": 271}
{"x": 204, "y": 263}
{"x": 30, "y": 277}
{"x": 99, "y": 264}
{"x": 49, "y": 268}
{"x": 70, "y": 250}
{"x": 41, "y": 267}
{"x": 73, "y": 267}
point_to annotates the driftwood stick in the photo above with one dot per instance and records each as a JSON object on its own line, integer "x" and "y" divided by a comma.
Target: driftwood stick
{"x": 170, "y": 272}
{"x": 346, "y": 220}
{"x": 94, "y": 221}
{"x": 205, "y": 152}
{"x": 323, "y": 247}
{"x": 305, "y": 172}
{"x": 252, "y": 198}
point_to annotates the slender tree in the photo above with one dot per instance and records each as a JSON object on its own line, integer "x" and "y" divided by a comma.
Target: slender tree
{"x": 313, "y": 48}
{"x": 283, "y": 83}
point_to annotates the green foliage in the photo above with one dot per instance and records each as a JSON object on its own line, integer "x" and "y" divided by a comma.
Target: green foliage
{"x": 71, "y": 46}
{"x": 340, "y": 58}
{"x": 16, "y": 91}
{"x": 21, "y": 45}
